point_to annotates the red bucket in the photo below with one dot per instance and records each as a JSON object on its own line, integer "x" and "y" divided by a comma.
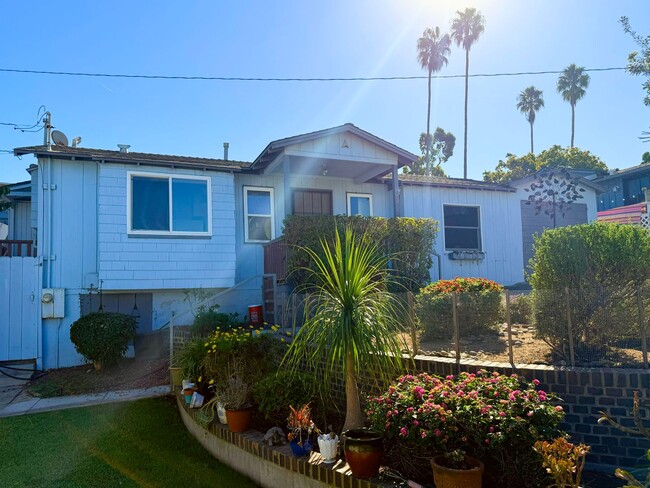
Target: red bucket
{"x": 256, "y": 315}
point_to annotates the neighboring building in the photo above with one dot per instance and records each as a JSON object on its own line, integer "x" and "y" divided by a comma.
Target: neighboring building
{"x": 623, "y": 187}
{"x": 146, "y": 228}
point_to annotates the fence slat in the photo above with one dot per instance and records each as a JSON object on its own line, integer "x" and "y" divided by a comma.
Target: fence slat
{"x": 509, "y": 322}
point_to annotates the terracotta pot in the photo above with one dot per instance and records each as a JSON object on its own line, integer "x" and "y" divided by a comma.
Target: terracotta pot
{"x": 445, "y": 477}
{"x": 239, "y": 420}
{"x": 364, "y": 449}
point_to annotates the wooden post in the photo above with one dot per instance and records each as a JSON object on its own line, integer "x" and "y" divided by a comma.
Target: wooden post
{"x": 411, "y": 319}
{"x": 454, "y": 314}
{"x": 509, "y": 322}
{"x": 644, "y": 345}
{"x": 569, "y": 326}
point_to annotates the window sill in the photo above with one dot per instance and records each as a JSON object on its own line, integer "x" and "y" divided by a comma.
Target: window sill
{"x": 466, "y": 255}
{"x": 167, "y": 236}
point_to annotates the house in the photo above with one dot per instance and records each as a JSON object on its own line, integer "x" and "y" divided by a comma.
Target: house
{"x": 146, "y": 228}
{"x": 625, "y": 196}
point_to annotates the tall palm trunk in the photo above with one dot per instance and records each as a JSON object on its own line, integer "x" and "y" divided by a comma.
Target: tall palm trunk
{"x": 428, "y": 113}
{"x": 531, "y": 139}
{"x": 466, "y": 93}
{"x": 573, "y": 121}
{"x": 353, "y": 415}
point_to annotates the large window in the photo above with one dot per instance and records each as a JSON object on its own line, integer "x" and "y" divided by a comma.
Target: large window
{"x": 164, "y": 204}
{"x": 258, "y": 214}
{"x": 462, "y": 228}
{"x": 360, "y": 204}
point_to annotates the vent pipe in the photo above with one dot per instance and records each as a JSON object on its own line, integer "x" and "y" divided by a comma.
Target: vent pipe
{"x": 225, "y": 151}
{"x": 124, "y": 148}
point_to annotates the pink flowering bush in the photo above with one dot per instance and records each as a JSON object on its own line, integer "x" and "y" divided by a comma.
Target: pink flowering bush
{"x": 493, "y": 417}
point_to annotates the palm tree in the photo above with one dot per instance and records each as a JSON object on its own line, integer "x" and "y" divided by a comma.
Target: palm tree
{"x": 353, "y": 323}
{"x": 433, "y": 49}
{"x": 466, "y": 28}
{"x": 529, "y": 102}
{"x": 572, "y": 85}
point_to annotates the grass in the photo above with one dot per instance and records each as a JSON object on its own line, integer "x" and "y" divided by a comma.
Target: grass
{"x": 131, "y": 444}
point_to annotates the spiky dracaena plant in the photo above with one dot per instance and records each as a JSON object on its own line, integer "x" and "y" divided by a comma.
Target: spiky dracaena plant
{"x": 351, "y": 322}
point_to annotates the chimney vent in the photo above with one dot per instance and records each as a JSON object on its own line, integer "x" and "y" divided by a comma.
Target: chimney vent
{"x": 124, "y": 148}
{"x": 225, "y": 151}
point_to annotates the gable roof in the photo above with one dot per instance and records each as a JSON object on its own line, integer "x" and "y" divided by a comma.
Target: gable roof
{"x": 439, "y": 181}
{"x": 88, "y": 154}
{"x": 577, "y": 174}
{"x": 269, "y": 153}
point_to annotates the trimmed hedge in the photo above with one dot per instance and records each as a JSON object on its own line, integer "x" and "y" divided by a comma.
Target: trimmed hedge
{"x": 409, "y": 240}
{"x": 602, "y": 265}
{"x": 103, "y": 338}
{"x": 479, "y": 307}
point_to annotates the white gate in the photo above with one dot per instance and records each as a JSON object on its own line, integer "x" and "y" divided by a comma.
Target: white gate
{"x": 19, "y": 308}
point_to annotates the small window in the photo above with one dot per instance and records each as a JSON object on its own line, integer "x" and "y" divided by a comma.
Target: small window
{"x": 462, "y": 228}
{"x": 258, "y": 214}
{"x": 164, "y": 204}
{"x": 360, "y": 204}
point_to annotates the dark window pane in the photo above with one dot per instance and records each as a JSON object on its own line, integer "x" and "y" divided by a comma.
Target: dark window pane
{"x": 461, "y": 216}
{"x": 189, "y": 205}
{"x": 462, "y": 239}
{"x": 259, "y": 228}
{"x": 259, "y": 202}
{"x": 150, "y": 204}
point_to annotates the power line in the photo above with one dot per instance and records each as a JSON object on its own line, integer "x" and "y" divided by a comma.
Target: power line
{"x": 240, "y": 78}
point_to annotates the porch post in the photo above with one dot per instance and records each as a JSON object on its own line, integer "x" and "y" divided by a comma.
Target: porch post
{"x": 287, "y": 186}
{"x": 396, "y": 192}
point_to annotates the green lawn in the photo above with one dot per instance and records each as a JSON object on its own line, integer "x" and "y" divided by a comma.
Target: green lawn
{"x": 141, "y": 443}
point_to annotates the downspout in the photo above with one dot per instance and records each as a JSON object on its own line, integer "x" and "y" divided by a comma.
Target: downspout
{"x": 439, "y": 259}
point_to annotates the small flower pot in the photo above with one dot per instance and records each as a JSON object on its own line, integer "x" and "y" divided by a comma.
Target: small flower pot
{"x": 221, "y": 413}
{"x": 300, "y": 450}
{"x": 445, "y": 477}
{"x": 239, "y": 420}
{"x": 328, "y": 448}
{"x": 364, "y": 450}
{"x": 187, "y": 394}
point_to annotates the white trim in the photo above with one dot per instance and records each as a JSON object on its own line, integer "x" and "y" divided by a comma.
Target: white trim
{"x": 169, "y": 177}
{"x": 359, "y": 195}
{"x": 268, "y": 189}
{"x": 480, "y": 226}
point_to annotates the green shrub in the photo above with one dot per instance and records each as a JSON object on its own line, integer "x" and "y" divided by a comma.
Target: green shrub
{"x": 275, "y": 392}
{"x": 479, "y": 307}
{"x": 207, "y": 321}
{"x": 191, "y": 358}
{"x": 410, "y": 240}
{"x": 103, "y": 338}
{"x": 521, "y": 309}
{"x": 601, "y": 265}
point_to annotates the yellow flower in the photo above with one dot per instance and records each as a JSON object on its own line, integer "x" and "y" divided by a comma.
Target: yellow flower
{"x": 257, "y": 332}
{"x": 288, "y": 333}
{"x": 200, "y": 379}
{"x": 282, "y": 339}
{"x": 206, "y": 344}
{"x": 211, "y": 382}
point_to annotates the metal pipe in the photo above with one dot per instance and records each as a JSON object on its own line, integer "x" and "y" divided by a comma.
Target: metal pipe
{"x": 439, "y": 259}
{"x": 225, "y": 151}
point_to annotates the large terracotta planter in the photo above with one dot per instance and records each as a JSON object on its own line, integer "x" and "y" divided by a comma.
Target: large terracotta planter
{"x": 364, "y": 449}
{"x": 457, "y": 478}
{"x": 239, "y": 420}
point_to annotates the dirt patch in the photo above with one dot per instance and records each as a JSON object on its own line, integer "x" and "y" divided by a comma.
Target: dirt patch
{"x": 127, "y": 374}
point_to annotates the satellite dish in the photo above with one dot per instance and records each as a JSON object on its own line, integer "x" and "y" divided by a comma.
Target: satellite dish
{"x": 59, "y": 138}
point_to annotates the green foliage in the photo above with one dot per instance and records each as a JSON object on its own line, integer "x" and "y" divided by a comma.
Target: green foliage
{"x": 5, "y": 203}
{"x": 207, "y": 321}
{"x": 515, "y": 167}
{"x": 639, "y": 63}
{"x": 645, "y": 159}
{"x": 103, "y": 338}
{"x": 190, "y": 358}
{"x": 492, "y": 417}
{"x": 479, "y": 307}
{"x": 521, "y": 309}
{"x": 352, "y": 320}
{"x": 601, "y": 265}
{"x": 436, "y": 150}
{"x": 275, "y": 392}
{"x": 407, "y": 241}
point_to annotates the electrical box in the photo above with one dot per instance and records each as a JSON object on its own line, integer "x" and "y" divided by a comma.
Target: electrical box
{"x": 53, "y": 303}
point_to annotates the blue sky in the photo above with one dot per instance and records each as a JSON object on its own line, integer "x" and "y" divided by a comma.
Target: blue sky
{"x": 337, "y": 38}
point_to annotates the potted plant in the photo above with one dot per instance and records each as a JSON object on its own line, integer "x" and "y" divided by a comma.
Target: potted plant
{"x": 455, "y": 469}
{"x": 328, "y": 444}
{"x": 364, "y": 450}
{"x": 235, "y": 396}
{"x": 564, "y": 461}
{"x": 301, "y": 427}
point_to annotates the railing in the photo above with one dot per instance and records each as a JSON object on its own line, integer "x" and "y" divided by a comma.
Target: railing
{"x": 275, "y": 258}
{"x": 17, "y": 248}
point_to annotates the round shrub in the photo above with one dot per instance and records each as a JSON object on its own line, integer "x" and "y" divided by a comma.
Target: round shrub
{"x": 521, "y": 309}
{"x": 479, "y": 307}
{"x": 103, "y": 338}
{"x": 492, "y": 417}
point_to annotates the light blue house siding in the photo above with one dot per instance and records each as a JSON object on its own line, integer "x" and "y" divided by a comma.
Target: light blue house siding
{"x": 500, "y": 230}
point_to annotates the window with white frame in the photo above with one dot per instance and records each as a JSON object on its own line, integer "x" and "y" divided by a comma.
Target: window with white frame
{"x": 258, "y": 214}
{"x": 159, "y": 204}
{"x": 462, "y": 225}
{"x": 360, "y": 204}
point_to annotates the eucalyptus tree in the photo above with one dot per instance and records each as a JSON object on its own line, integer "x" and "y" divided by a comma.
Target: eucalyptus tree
{"x": 529, "y": 102}
{"x": 433, "y": 51}
{"x": 466, "y": 28}
{"x": 572, "y": 85}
